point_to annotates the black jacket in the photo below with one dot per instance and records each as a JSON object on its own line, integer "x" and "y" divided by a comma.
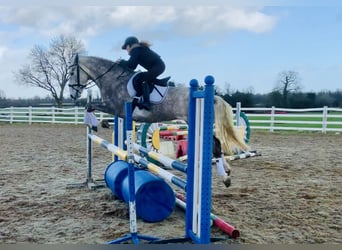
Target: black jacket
{"x": 144, "y": 57}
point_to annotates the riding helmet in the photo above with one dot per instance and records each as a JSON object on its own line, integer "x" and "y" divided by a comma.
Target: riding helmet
{"x": 130, "y": 41}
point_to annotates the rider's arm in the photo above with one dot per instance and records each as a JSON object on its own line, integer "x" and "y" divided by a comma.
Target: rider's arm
{"x": 133, "y": 61}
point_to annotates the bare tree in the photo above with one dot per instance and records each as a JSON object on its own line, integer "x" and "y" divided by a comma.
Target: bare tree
{"x": 49, "y": 67}
{"x": 2, "y": 94}
{"x": 288, "y": 81}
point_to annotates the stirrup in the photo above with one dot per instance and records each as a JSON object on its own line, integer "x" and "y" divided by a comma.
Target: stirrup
{"x": 136, "y": 102}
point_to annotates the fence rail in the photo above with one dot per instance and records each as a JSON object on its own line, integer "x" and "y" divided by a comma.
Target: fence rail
{"x": 51, "y": 115}
{"x": 324, "y": 119}
{"x": 314, "y": 119}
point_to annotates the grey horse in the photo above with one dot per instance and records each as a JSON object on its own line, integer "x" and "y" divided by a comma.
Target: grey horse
{"x": 112, "y": 78}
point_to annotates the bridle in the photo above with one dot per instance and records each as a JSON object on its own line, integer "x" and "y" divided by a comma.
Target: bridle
{"x": 79, "y": 67}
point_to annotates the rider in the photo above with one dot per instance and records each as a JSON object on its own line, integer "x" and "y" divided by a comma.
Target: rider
{"x": 141, "y": 54}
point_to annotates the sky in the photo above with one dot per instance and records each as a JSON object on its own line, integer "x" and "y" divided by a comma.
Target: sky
{"x": 243, "y": 44}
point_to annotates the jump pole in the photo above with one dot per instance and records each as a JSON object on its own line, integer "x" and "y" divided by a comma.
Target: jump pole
{"x": 164, "y": 160}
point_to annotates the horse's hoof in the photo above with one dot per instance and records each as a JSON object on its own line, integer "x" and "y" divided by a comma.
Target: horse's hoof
{"x": 227, "y": 180}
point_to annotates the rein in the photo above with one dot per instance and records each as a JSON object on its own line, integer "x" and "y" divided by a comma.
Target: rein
{"x": 104, "y": 73}
{"x": 85, "y": 70}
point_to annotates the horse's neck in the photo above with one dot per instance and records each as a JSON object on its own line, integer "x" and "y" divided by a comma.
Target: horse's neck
{"x": 113, "y": 87}
{"x": 101, "y": 69}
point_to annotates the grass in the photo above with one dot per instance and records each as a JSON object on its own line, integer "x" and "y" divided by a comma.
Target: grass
{"x": 257, "y": 121}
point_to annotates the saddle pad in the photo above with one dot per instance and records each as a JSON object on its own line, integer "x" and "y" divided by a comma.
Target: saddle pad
{"x": 157, "y": 95}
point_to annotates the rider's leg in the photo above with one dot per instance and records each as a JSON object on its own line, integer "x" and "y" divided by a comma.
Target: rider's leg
{"x": 146, "y": 95}
{"x": 137, "y": 85}
{"x": 146, "y": 79}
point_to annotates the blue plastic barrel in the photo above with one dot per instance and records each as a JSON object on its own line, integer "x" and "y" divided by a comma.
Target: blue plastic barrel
{"x": 154, "y": 198}
{"x": 115, "y": 173}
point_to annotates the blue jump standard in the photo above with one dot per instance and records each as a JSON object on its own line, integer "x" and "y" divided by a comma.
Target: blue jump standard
{"x": 133, "y": 235}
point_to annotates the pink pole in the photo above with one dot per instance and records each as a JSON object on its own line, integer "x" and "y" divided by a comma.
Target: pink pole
{"x": 225, "y": 227}
{"x": 221, "y": 224}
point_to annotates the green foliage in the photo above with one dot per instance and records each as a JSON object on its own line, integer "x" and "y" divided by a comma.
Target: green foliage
{"x": 37, "y": 102}
{"x": 294, "y": 100}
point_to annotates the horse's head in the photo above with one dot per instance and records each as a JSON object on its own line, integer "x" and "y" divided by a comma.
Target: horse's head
{"x": 84, "y": 70}
{"x": 78, "y": 78}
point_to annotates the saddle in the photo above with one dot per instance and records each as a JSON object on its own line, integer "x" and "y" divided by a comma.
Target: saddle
{"x": 158, "y": 92}
{"x": 162, "y": 82}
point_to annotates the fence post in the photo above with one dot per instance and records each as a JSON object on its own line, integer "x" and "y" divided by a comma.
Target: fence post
{"x": 11, "y": 114}
{"x": 272, "y": 119}
{"x": 53, "y": 114}
{"x": 237, "y": 113}
{"x": 324, "y": 119}
{"x": 76, "y": 115}
{"x": 30, "y": 115}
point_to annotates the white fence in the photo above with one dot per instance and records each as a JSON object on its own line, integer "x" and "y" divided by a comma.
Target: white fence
{"x": 316, "y": 119}
{"x": 51, "y": 115}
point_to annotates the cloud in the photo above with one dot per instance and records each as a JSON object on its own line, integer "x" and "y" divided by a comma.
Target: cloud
{"x": 2, "y": 52}
{"x": 218, "y": 19}
{"x": 10, "y": 61}
{"x": 92, "y": 20}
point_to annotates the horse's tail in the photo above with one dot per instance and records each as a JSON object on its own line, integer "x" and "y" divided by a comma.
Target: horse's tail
{"x": 224, "y": 127}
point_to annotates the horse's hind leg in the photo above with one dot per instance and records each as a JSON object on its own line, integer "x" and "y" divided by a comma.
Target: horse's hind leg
{"x": 226, "y": 178}
{"x": 223, "y": 168}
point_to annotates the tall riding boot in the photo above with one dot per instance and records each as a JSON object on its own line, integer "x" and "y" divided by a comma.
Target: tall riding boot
{"x": 146, "y": 96}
